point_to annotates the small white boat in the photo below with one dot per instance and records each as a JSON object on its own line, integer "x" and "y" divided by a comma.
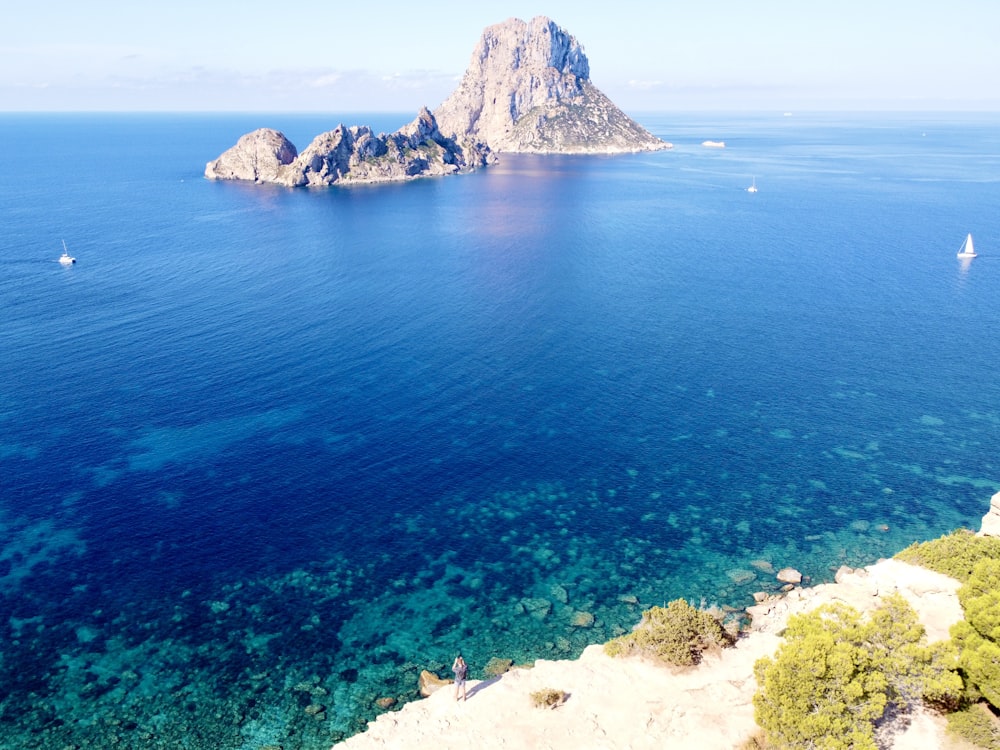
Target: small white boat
{"x": 753, "y": 186}
{"x": 967, "y": 250}
{"x": 66, "y": 259}
{"x": 713, "y": 144}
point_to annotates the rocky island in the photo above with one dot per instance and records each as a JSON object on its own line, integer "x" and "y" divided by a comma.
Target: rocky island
{"x": 527, "y": 89}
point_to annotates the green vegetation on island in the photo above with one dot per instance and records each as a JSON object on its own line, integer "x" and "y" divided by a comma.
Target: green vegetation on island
{"x": 677, "y": 634}
{"x": 975, "y": 561}
{"x": 837, "y": 675}
{"x": 840, "y": 677}
{"x": 954, "y": 554}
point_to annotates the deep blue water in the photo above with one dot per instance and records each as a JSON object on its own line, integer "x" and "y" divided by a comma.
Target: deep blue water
{"x": 263, "y": 448}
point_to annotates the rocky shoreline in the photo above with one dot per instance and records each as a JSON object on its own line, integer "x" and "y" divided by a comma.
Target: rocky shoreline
{"x": 632, "y": 703}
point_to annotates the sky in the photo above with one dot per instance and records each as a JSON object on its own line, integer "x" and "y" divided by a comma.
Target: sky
{"x": 391, "y": 56}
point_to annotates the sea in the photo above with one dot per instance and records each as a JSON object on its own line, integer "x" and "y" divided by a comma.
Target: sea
{"x": 268, "y": 454}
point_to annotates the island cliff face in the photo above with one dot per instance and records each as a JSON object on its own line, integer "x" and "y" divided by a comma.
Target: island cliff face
{"x": 527, "y": 89}
{"x": 353, "y": 154}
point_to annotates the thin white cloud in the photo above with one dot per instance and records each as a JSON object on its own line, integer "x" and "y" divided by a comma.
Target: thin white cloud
{"x": 326, "y": 80}
{"x": 644, "y": 85}
{"x": 128, "y": 85}
{"x": 419, "y": 80}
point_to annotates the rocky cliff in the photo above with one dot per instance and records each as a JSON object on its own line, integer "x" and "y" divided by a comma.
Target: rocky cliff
{"x": 633, "y": 703}
{"x": 353, "y": 154}
{"x": 257, "y": 156}
{"x": 528, "y": 89}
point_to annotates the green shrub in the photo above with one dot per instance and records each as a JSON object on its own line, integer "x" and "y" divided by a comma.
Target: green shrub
{"x": 954, "y": 554}
{"x": 978, "y": 635}
{"x": 548, "y": 698}
{"x": 677, "y": 634}
{"x": 977, "y": 726}
{"x": 836, "y": 674}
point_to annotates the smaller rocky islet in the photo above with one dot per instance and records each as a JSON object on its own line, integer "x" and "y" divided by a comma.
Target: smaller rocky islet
{"x": 527, "y": 90}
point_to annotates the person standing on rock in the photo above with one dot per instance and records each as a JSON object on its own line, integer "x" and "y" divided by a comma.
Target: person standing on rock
{"x": 461, "y": 669}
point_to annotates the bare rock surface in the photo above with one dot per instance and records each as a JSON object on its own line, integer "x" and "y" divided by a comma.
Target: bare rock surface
{"x": 616, "y": 703}
{"x": 991, "y": 521}
{"x": 349, "y": 155}
{"x": 789, "y": 575}
{"x": 257, "y": 157}
{"x": 934, "y": 596}
{"x": 528, "y": 89}
{"x": 430, "y": 683}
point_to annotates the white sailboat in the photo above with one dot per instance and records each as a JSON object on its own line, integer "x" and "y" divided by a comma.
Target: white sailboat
{"x": 66, "y": 259}
{"x": 753, "y": 186}
{"x": 967, "y": 250}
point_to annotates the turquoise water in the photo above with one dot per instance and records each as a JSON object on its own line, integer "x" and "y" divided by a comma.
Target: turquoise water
{"x": 267, "y": 450}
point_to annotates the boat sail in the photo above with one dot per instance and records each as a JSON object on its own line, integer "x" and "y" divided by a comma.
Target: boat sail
{"x": 967, "y": 250}
{"x": 753, "y": 185}
{"x": 66, "y": 259}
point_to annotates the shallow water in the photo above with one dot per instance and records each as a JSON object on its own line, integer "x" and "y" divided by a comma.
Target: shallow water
{"x": 268, "y": 450}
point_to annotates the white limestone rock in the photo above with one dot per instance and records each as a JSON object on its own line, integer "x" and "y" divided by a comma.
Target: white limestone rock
{"x": 528, "y": 89}
{"x": 991, "y": 521}
{"x": 789, "y": 575}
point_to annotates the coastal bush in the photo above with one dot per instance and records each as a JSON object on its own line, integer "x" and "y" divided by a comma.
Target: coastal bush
{"x": 977, "y": 726}
{"x": 837, "y": 674}
{"x": 548, "y": 698}
{"x": 677, "y": 634}
{"x": 978, "y": 635}
{"x": 974, "y": 560}
{"x": 954, "y": 554}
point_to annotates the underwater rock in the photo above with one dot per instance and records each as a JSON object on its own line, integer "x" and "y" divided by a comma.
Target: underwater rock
{"x": 315, "y": 709}
{"x": 430, "y": 683}
{"x": 583, "y": 620}
{"x": 740, "y": 576}
{"x": 386, "y": 702}
{"x": 537, "y": 608}
{"x": 559, "y": 593}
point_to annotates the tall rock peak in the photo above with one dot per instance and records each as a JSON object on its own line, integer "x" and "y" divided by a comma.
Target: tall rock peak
{"x": 528, "y": 88}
